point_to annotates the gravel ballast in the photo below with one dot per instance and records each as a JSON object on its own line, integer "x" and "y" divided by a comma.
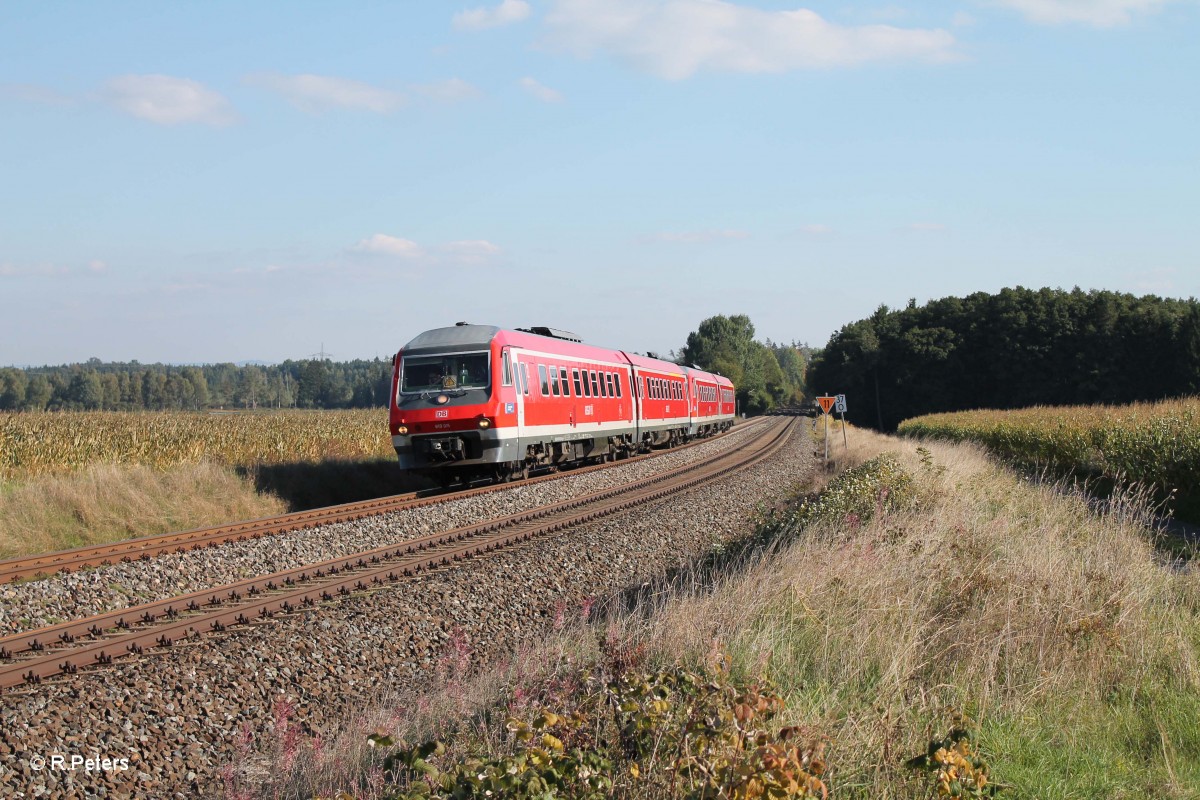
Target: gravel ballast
{"x": 181, "y": 715}
{"x": 36, "y": 604}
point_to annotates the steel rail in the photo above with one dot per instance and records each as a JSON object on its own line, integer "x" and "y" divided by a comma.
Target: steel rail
{"x": 368, "y": 569}
{"x": 149, "y": 546}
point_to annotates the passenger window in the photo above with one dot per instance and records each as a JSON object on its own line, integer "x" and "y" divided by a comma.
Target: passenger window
{"x": 562, "y": 381}
{"x": 587, "y": 384}
{"x": 603, "y": 388}
{"x": 641, "y": 392}
{"x": 554, "y": 380}
{"x": 617, "y": 380}
{"x": 595, "y": 384}
{"x": 608, "y": 383}
{"x": 545, "y": 381}
{"x": 578, "y": 387}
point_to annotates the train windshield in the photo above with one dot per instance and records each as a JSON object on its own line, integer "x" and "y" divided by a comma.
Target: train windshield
{"x": 444, "y": 372}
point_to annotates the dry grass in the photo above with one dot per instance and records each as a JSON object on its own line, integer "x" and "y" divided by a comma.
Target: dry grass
{"x": 105, "y": 502}
{"x": 1054, "y": 627}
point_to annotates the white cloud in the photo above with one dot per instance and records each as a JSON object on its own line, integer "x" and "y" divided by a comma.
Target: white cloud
{"x": 96, "y": 265}
{"x": 927, "y": 226}
{"x": 451, "y": 90}
{"x": 477, "y": 19}
{"x": 676, "y": 38}
{"x": 816, "y": 229}
{"x": 382, "y": 244}
{"x": 962, "y": 19}
{"x": 1100, "y": 13}
{"x": 543, "y": 93}
{"x": 317, "y": 93}
{"x": 691, "y": 237}
{"x": 471, "y": 251}
{"x": 165, "y": 100}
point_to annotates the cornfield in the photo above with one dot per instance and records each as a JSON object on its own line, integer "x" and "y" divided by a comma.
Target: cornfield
{"x": 55, "y": 443}
{"x": 1153, "y": 444}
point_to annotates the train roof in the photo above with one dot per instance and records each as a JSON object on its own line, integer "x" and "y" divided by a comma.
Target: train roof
{"x": 456, "y": 338}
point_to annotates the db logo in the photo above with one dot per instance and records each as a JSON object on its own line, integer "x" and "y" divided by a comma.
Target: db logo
{"x": 442, "y": 413}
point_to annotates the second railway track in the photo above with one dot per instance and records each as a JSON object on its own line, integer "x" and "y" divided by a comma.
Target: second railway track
{"x": 27, "y": 567}
{"x": 29, "y": 657}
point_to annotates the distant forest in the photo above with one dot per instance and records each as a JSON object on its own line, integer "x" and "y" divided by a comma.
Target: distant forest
{"x": 1018, "y": 348}
{"x": 100, "y": 386}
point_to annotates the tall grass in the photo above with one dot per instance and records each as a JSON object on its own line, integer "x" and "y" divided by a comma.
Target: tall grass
{"x": 105, "y": 503}
{"x": 1056, "y": 629}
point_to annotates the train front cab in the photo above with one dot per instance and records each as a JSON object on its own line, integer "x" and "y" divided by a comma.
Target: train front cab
{"x": 453, "y": 409}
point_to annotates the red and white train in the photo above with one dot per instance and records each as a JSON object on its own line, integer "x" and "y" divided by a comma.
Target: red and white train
{"x": 475, "y": 401}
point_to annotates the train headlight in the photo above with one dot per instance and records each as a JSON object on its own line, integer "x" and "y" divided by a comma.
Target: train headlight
{"x": 401, "y": 430}
{"x": 485, "y": 423}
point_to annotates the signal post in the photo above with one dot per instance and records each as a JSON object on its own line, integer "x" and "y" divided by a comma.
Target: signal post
{"x": 826, "y": 404}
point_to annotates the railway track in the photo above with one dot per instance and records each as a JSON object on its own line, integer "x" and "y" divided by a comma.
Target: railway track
{"x": 150, "y": 546}
{"x": 30, "y": 657}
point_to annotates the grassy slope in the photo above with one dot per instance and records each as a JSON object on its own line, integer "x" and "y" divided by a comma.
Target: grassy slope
{"x": 1075, "y": 651}
{"x": 1057, "y": 630}
{"x": 106, "y": 503}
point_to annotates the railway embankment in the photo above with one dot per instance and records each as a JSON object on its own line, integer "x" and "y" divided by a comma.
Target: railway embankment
{"x": 187, "y": 712}
{"x": 924, "y": 621}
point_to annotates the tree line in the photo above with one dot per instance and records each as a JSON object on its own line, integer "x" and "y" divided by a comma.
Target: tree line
{"x": 764, "y": 374}
{"x": 116, "y": 386}
{"x": 1014, "y": 349}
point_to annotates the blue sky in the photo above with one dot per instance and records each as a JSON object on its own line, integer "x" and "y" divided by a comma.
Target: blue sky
{"x": 228, "y": 181}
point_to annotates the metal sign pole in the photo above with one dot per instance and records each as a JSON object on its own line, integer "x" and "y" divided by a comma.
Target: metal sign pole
{"x": 845, "y": 441}
{"x": 826, "y": 415}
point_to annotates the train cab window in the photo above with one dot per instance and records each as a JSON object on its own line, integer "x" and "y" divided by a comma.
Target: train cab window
{"x": 554, "y": 381}
{"x": 544, "y": 379}
{"x": 562, "y": 381}
{"x": 524, "y": 380}
{"x": 505, "y": 369}
{"x": 575, "y": 380}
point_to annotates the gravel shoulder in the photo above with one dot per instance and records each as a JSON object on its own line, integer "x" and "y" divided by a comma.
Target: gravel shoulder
{"x": 181, "y": 715}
